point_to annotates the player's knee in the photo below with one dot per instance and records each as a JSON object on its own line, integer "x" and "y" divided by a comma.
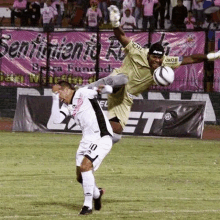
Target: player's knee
{"x": 122, "y": 78}
{"x": 84, "y": 168}
{"x": 116, "y": 126}
{"x": 117, "y": 80}
{"x": 114, "y": 81}
{"x": 86, "y": 164}
{"x": 116, "y": 138}
{"x": 97, "y": 83}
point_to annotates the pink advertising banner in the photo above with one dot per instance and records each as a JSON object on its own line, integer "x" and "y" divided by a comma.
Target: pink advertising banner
{"x": 71, "y": 56}
{"x": 20, "y": 51}
{"x": 216, "y": 84}
{"x": 187, "y": 77}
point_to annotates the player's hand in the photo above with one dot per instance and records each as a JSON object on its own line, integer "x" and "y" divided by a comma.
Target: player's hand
{"x": 99, "y": 88}
{"x": 104, "y": 89}
{"x": 56, "y": 88}
{"x": 213, "y": 56}
{"x": 114, "y": 15}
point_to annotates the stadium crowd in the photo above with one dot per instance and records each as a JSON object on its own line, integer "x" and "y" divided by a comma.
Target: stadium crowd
{"x": 135, "y": 14}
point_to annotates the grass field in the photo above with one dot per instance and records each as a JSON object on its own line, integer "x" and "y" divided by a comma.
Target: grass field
{"x": 144, "y": 178}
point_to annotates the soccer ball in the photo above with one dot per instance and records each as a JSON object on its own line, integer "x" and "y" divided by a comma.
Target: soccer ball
{"x": 163, "y": 76}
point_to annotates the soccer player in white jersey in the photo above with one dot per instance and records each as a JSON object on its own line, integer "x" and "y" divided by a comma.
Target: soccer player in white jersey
{"x": 136, "y": 73}
{"x": 97, "y": 133}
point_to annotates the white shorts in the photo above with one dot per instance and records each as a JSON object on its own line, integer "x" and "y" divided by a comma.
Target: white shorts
{"x": 96, "y": 151}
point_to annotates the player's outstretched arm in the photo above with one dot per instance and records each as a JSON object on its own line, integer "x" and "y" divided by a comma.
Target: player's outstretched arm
{"x": 115, "y": 21}
{"x": 56, "y": 116}
{"x": 198, "y": 58}
{"x": 120, "y": 35}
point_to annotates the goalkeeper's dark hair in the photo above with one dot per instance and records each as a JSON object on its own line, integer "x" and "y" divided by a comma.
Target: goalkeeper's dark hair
{"x": 65, "y": 84}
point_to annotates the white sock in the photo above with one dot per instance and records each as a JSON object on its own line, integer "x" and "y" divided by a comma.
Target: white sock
{"x": 88, "y": 187}
{"x": 96, "y": 192}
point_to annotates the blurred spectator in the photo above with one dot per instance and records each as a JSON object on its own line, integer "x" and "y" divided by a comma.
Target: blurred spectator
{"x": 48, "y": 16}
{"x": 217, "y": 2}
{"x": 43, "y": 3}
{"x": 34, "y": 13}
{"x": 168, "y": 9}
{"x": 160, "y": 11}
{"x": 179, "y": 13}
{"x": 208, "y": 3}
{"x": 128, "y": 21}
{"x": 59, "y": 6}
{"x": 26, "y": 13}
{"x": 18, "y": 10}
{"x": 103, "y": 5}
{"x": 188, "y": 4}
{"x": 128, "y": 4}
{"x": 71, "y": 10}
{"x": 93, "y": 16}
{"x": 172, "y": 5}
{"x": 190, "y": 21}
{"x": 148, "y": 7}
{"x": 85, "y": 4}
{"x": 75, "y": 15}
{"x": 216, "y": 16}
{"x": 118, "y": 3}
{"x": 198, "y": 12}
{"x": 138, "y": 11}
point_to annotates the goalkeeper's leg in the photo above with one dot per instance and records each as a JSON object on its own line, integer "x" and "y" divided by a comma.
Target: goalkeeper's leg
{"x": 116, "y": 81}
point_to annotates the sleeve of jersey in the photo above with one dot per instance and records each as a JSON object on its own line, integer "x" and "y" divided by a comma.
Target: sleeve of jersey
{"x": 132, "y": 48}
{"x": 89, "y": 93}
{"x": 172, "y": 62}
{"x": 57, "y": 114}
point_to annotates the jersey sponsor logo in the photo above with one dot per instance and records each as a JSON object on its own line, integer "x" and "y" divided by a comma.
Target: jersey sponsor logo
{"x": 76, "y": 109}
{"x": 136, "y": 46}
{"x": 172, "y": 60}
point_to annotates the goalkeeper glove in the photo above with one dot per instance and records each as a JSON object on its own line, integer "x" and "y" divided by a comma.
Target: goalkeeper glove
{"x": 114, "y": 16}
{"x": 213, "y": 56}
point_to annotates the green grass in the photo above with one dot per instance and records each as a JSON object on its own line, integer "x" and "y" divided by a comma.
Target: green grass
{"x": 144, "y": 178}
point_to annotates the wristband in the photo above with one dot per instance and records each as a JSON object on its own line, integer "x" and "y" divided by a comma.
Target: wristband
{"x": 107, "y": 89}
{"x": 213, "y": 56}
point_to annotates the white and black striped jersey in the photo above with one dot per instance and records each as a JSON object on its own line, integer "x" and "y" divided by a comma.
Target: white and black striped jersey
{"x": 87, "y": 113}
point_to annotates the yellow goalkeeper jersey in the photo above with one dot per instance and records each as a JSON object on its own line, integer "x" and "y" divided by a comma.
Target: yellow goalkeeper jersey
{"x": 140, "y": 78}
{"x": 136, "y": 67}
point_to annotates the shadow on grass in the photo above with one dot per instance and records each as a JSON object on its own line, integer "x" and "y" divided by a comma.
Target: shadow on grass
{"x": 62, "y": 204}
{"x": 78, "y": 207}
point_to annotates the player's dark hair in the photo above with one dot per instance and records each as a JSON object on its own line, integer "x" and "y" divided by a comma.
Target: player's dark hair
{"x": 65, "y": 84}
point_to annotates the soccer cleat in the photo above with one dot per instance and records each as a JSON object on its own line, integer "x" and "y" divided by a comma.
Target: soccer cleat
{"x": 97, "y": 202}
{"x": 85, "y": 211}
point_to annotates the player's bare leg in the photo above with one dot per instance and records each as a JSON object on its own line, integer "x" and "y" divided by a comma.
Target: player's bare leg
{"x": 117, "y": 129}
{"x": 116, "y": 126}
{"x": 91, "y": 191}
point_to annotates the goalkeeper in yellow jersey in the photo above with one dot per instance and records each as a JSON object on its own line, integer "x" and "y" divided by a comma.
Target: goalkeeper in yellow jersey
{"x": 136, "y": 73}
